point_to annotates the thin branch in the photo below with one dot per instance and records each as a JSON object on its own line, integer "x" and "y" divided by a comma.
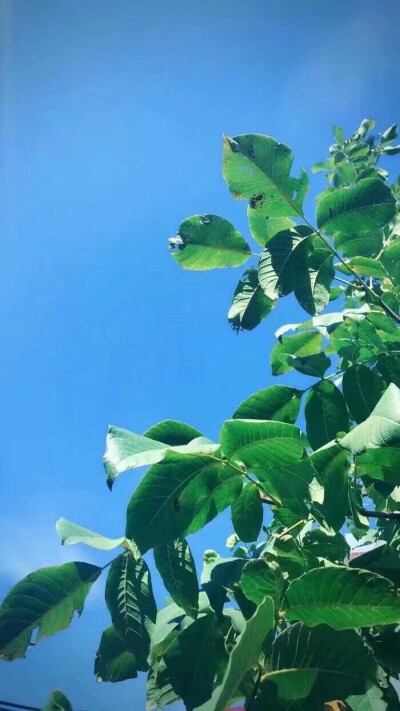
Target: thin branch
{"x": 395, "y": 515}
{"x": 288, "y": 530}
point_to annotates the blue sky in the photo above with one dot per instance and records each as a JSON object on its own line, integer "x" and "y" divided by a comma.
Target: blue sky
{"x": 111, "y": 119}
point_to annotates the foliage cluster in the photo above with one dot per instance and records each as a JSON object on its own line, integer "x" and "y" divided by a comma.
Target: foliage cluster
{"x": 294, "y": 618}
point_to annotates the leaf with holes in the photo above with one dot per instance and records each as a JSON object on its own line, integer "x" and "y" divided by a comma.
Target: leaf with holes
{"x": 208, "y": 242}
{"x": 129, "y": 598}
{"x": 174, "y": 562}
{"x": 45, "y": 600}
{"x": 257, "y": 168}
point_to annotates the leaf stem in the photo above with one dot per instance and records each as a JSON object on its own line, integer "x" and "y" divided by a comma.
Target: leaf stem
{"x": 288, "y": 530}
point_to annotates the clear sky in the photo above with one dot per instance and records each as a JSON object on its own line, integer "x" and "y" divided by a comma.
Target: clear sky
{"x": 111, "y": 119}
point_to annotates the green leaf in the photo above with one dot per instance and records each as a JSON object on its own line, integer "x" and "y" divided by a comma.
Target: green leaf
{"x": 382, "y": 464}
{"x": 326, "y": 413}
{"x": 314, "y": 365}
{"x": 161, "y": 510}
{"x": 381, "y": 428}
{"x": 370, "y": 701}
{"x": 174, "y": 562}
{"x": 253, "y": 442}
{"x": 247, "y": 514}
{"x": 320, "y": 543}
{"x": 313, "y": 286}
{"x": 159, "y": 689}
{"x": 300, "y": 344}
{"x": 209, "y": 493}
{"x": 46, "y": 600}
{"x": 366, "y": 206}
{"x": 194, "y": 659}
{"x": 113, "y": 661}
{"x": 129, "y": 598}
{"x": 288, "y": 485}
{"x": 382, "y": 559}
{"x": 390, "y": 259}
{"x": 332, "y": 464}
{"x": 249, "y": 304}
{"x": 368, "y": 267}
{"x": 362, "y": 389}
{"x": 338, "y": 133}
{"x": 342, "y": 598}
{"x": 391, "y": 150}
{"x": 217, "y": 576}
{"x": 258, "y": 168}
{"x": 172, "y": 432}
{"x": 71, "y": 533}
{"x": 244, "y": 656}
{"x": 57, "y": 701}
{"x": 282, "y": 261}
{"x": 390, "y": 134}
{"x": 368, "y": 244}
{"x": 126, "y": 450}
{"x": 326, "y": 664}
{"x": 208, "y": 242}
{"x": 275, "y": 403}
{"x": 260, "y": 580}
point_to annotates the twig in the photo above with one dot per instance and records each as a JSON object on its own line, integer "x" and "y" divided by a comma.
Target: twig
{"x": 380, "y": 514}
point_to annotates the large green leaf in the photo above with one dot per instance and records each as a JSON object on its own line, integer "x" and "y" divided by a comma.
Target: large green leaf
{"x": 57, "y": 701}
{"x": 305, "y": 343}
{"x": 382, "y": 464}
{"x": 258, "y": 168}
{"x": 207, "y": 242}
{"x": 275, "y": 403}
{"x": 289, "y": 484}
{"x": 244, "y": 656}
{"x": 195, "y": 659}
{"x": 209, "y": 493}
{"x": 113, "y": 661}
{"x": 326, "y": 413}
{"x": 71, "y": 533}
{"x": 126, "y": 450}
{"x": 321, "y": 662}
{"x": 254, "y": 442}
{"x": 362, "y": 388}
{"x": 174, "y": 562}
{"x": 161, "y": 510}
{"x": 247, "y": 513}
{"x": 381, "y": 428}
{"x": 46, "y": 600}
{"x": 332, "y": 464}
{"x": 342, "y": 598}
{"x": 313, "y": 365}
{"x": 283, "y": 260}
{"x": 313, "y": 286}
{"x": 367, "y": 244}
{"x": 129, "y": 598}
{"x": 260, "y": 580}
{"x": 368, "y": 267}
{"x": 366, "y": 206}
{"x": 249, "y": 304}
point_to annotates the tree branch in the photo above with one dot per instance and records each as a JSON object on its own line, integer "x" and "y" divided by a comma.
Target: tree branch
{"x": 380, "y": 514}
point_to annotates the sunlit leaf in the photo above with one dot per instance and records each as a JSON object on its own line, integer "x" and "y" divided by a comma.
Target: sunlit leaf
{"x": 275, "y": 403}
{"x": 366, "y": 206}
{"x": 207, "y": 242}
{"x": 381, "y": 428}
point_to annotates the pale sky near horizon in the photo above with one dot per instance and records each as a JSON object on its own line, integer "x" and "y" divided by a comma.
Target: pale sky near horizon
{"x": 111, "y": 119}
